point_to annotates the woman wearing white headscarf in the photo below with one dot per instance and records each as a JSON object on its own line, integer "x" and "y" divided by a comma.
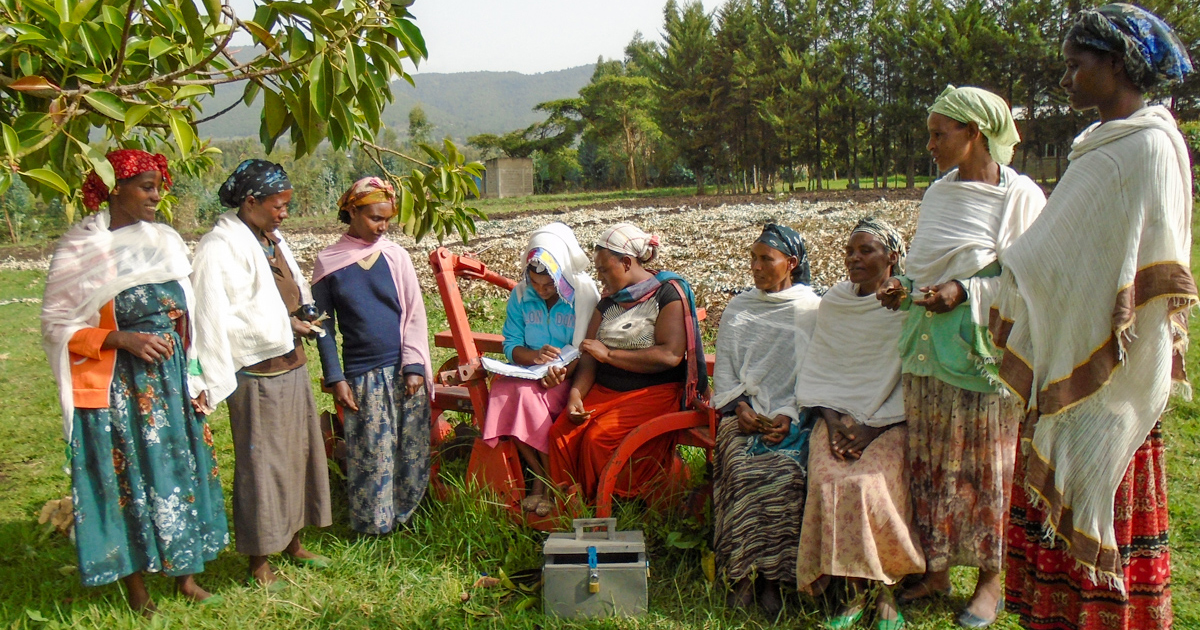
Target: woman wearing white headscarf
{"x": 549, "y": 309}
{"x": 961, "y": 434}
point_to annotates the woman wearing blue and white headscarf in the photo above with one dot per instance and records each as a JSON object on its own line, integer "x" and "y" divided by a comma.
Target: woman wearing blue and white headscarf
{"x": 1095, "y": 358}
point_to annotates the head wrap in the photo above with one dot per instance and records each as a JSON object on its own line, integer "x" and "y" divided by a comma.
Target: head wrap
{"x": 788, "y": 241}
{"x": 1152, "y": 53}
{"x": 365, "y": 192}
{"x": 627, "y": 239}
{"x": 988, "y": 111}
{"x": 126, "y": 163}
{"x": 257, "y": 178}
{"x": 888, "y": 235}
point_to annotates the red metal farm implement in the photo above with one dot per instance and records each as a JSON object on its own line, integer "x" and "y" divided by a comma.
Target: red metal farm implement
{"x": 462, "y": 386}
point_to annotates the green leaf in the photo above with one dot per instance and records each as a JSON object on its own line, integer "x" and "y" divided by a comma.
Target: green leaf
{"x": 106, "y": 103}
{"x": 99, "y": 163}
{"x": 298, "y": 44}
{"x": 5, "y": 180}
{"x": 350, "y": 70}
{"x": 274, "y": 111}
{"x": 12, "y": 142}
{"x": 261, "y": 35}
{"x": 189, "y": 91}
{"x": 160, "y": 46}
{"x": 49, "y": 178}
{"x": 35, "y": 615}
{"x": 214, "y": 10}
{"x": 251, "y": 92}
{"x": 369, "y": 106}
{"x": 191, "y": 21}
{"x": 135, "y": 114}
{"x": 413, "y": 34}
{"x": 317, "y": 91}
{"x": 185, "y": 136}
{"x": 385, "y": 57}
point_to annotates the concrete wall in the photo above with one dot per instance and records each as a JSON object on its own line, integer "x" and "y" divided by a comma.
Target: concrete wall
{"x": 508, "y": 177}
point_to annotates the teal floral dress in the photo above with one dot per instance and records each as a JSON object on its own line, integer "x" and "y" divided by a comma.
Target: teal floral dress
{"x": 144, "y": 481}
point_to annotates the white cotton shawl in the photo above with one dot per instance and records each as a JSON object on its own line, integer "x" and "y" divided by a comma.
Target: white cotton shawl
{"x": 760, "y": 347}
{"x": 964, "y": 226}
{"x": 560, "y": 241}
{"x": 1087, "y": 318}
{"x": 240, "y": 318}
{"x": 853, "y": 360}
{"x": 90, "y": 267}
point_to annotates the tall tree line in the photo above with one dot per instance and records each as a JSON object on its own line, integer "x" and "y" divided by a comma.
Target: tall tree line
{"x": 763, "y": 94}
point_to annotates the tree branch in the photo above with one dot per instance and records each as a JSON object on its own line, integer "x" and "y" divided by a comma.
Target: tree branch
{"x": 133, "y": 5}
{"x": 218, "y": 114}
{"x": 410, "y": 158}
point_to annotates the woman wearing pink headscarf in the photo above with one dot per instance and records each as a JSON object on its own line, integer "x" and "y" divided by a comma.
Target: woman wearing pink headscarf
{"x": 367, "y": 286}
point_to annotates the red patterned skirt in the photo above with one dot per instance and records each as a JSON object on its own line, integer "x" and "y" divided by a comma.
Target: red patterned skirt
{"x": 1043, "y": 584}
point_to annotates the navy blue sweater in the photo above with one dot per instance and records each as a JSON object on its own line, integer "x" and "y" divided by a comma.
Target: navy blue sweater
{"x": 363, "y": 304}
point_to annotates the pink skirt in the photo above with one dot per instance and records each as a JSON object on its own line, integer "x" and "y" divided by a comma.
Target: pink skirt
{"x": 524, "y": 410}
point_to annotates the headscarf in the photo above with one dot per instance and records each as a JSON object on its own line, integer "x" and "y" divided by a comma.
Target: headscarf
{"x": 629, "y": 240}
{"x": 126, "y": 163}
{"x": 555, "y": 249}
{"x": 365, "y": 192}
{"x": 257, "y": 178}
{"x": 888, "y": 235}
{"x": 988, "y": 111}
{"x": 789, "y": 242}
{"x": 1152, "y": 53}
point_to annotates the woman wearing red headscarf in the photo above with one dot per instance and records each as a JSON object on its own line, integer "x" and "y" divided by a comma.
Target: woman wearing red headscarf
{"x": 115, "y": 327}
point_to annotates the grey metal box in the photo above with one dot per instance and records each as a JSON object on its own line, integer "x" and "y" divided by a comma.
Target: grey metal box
{"x": 618, "y": 571}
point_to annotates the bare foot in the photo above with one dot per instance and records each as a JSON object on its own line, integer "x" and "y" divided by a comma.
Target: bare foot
{"x": 296, "y": 549}
{"x": 742, "y": 595}
{"x": 187, "y": 586}
{"x": 138, "y": 596}
{"x": 935, "y": 584}
{"x": 530, "y": 502}
{"x": 885, "y": 605}
{"x": 771, "y": 599}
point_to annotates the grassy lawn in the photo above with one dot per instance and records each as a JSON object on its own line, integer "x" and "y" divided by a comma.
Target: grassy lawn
{"x": 415, "y": 578}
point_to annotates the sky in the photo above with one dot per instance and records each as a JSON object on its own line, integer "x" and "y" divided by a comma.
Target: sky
{"x": 526, "y": 36}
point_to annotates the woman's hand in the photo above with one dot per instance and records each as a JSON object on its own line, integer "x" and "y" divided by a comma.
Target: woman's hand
{"x": 200, "y": 404}
{"x": 344, "y": 397}
{"x": 596, "y": 348}
{"x": 847, "y": 438}
{"x": 554, "y": 376}
{"x": 890, "y": 293}
{"x": 773, "y": 436}
{"x": 413, "y": 384}
{"x": 302, "y": 328}
{"x": 148, "y": 347}
{"x": 545, "y": 355}
{"x": 942, "y": 298}
{"x": 575, "y": 411}
{"x": 747, "y": 419}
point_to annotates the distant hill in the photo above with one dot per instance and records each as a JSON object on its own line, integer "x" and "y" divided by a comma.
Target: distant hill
{"x": 458, "y": 104}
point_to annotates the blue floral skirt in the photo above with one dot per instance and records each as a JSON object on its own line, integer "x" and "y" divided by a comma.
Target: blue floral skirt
{"x": 387, "y": 451}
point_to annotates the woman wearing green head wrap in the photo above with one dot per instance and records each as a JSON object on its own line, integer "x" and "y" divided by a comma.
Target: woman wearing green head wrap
{"x": 961, "y": 435}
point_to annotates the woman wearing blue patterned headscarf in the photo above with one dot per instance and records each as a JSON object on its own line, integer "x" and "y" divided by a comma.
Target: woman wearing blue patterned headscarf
{"x": 1095, "y": 358}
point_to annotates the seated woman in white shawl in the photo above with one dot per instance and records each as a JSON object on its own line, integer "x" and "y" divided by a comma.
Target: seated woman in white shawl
{"x": 962, "y": 435}
{"x": 857, "y": 522}
{"x": 762, "y": 440}
{"x": 1092, "y": 317}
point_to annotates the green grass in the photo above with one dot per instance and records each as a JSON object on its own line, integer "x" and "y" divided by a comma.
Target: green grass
{"x": 414, "y": 578}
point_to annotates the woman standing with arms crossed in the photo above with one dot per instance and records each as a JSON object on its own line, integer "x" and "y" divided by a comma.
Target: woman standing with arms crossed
{"x": 115, "y": 320}
{"x": 962, "y": 435}
{"x": 1092, "y": 317}
{"x": 367, "y": 286}
{"x": 248, "y": 349}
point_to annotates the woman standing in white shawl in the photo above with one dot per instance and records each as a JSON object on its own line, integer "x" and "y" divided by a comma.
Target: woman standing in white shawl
{"x": 1092, "y": 319}
{"x": 549, "y": 309}
{"x": 248, "y": 349}
{"x": 115, "y": 323}
{"x": 858, "y": 513}
{"x": 962, "y": 435}
{"x": 762, "y": 439}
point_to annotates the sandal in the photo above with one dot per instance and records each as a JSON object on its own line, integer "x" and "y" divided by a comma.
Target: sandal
{"x": 968, "y": 620}
{"x": 925, "y": 592}
{"x": 891, "y": 624}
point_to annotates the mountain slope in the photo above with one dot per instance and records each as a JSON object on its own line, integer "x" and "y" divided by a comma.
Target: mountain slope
{"x": 459, "y": 104}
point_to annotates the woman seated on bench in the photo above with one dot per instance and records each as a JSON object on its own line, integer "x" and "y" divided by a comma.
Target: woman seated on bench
{"x": 550, "y": 308}
{"x": 858, "y": 519}
{"x": 642, "y": 358}
{"x": 762, "y": 441}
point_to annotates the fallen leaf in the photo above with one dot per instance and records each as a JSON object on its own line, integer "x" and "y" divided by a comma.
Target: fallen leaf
{"x": 486, "y": 581}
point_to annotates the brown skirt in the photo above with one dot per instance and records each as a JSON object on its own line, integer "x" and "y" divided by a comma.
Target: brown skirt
{"x": 280, "y": 476}
{"x": 961, "y": 448}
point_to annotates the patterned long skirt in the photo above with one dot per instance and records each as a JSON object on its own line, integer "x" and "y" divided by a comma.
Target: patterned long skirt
{"x": 387, "y": 451}
{"x": 1045, "y": 587}
{"x": 143, "y": 478}
{"x": 961, "y": 449}
{"x": 858, "y": 521}
{"x": 758, "y": 502}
